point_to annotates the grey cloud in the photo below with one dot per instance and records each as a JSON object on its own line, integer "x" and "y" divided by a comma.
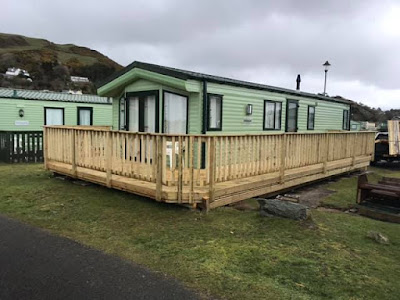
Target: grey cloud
{"x": 231, "y": 38}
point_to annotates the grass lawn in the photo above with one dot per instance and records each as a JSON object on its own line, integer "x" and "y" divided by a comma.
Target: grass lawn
{"x": 227, "y": 253}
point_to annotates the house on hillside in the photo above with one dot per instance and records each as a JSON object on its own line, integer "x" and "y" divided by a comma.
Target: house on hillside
{"x": 79, "y": 79}
{"x": 153, "y": 98}
{"x": 29, "y": 110}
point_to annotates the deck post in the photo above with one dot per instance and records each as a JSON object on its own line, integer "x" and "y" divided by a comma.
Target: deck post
{"x": 283, "y": 159}
{"x": 108, "y": 158}
{"x": 353, "y": 150}
{"x": 159, "y": 168}
{"x": 73, "y": 152}
{"x": 180, "y": 169}
{"x": 190, "y": 164}
{"x": 45, "y": 148}
{"x": 326, "y": 153}
{"x": 212, "y": 170}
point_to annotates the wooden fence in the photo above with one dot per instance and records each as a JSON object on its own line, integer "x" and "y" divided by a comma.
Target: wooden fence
{"x": 21, "y": 146}
{"x": 200, "y": 168}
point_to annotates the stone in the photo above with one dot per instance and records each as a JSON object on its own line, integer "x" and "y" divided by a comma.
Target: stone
{"x": 378, "y": 237}
{"x": 286, "y": 209}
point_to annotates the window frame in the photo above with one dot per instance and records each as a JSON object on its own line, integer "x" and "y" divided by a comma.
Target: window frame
{"x": 308, "y": 117}
{"x": 288, "y": 101}
{"x": 89, "y": 108}
{"x": 141, "y": 95}
{"x": 163, "y": 109}
{"x": 346, "y": 126}
{"x": 45, "y": 114}
{"x": 280, "y": 116}
{"x": 208, "y": 111}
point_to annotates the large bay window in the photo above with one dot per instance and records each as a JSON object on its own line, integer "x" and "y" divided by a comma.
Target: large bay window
{"x": 272, "y": 115}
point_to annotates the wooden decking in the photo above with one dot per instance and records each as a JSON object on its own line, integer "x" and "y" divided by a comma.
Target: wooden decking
{"x": 207, "y": 170}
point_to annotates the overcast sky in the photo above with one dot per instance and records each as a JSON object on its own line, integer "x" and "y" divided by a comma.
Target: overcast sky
{"x": 263, "y": 41}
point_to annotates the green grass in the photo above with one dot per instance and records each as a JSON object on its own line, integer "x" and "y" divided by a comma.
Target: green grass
{"x": 227, "y": 253}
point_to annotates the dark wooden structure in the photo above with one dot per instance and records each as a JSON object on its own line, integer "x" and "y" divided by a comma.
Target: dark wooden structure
{"x": 21, "y": 146}
{"x": 380, "y": 201}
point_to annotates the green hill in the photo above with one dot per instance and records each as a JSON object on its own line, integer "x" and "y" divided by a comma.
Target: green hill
{"x": 51, "y": 65}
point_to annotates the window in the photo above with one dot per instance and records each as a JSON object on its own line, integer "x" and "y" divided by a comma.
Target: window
{"x": 142, "y": 112}
{"x": 53, "y": 116}
{"x": 272, "y": 115}
{"x": 311, "y": 117}
{"x": 85, "y": 116}
{"x": 346, "y": 120}
{"x": 214, "y": 112}
{"x": 122, "y": 114}
{"x": 175, "y": 113}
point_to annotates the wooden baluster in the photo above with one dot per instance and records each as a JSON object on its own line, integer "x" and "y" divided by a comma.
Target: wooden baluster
{"x": 180, "y": 169}
{"x": 283, "y": 159}
{"x": 159, "y": 166}
{"x": 212, "y": 170}
{"x": 108, "y": 157}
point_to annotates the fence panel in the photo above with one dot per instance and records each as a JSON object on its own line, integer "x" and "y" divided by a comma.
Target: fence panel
{"x": 21, "y": 146}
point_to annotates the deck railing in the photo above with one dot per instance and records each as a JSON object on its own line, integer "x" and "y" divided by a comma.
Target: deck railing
{"x": 21, "y": 146}
{"x": 187, "y": 168}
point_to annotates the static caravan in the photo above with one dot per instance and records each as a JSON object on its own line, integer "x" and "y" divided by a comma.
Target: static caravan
{"x": 195, "y": 139}
{"x": 29, "y": 110}
{"x": 152, "y": 98}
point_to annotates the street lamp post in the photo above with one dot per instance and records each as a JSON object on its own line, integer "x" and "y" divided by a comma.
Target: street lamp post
{"x": 326, "y": 66}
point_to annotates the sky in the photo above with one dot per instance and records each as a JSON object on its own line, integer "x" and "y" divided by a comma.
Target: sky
{"x": 263, "y": 41}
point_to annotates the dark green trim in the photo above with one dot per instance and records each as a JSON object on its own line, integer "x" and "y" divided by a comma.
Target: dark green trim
{"x": 163, "y": 109}
{"x": 208, "y": 112}
{"x": 348, "y": 119}
{"x": 79, "y": 108}
{"x": 204, "y": 125}
{"x": 45, "y": 113}
{"x": 141, "y": 109}
{"x": 287, "y": 113}
{"x": 280, "y": 116}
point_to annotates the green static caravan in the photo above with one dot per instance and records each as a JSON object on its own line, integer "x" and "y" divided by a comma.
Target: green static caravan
{"x": 29, "y": 110}
{"x": 152, "y": 98}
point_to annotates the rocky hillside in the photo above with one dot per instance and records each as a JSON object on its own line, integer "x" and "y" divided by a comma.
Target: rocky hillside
{"x": 50, "y": 65}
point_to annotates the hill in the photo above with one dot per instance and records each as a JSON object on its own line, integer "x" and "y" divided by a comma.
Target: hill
{"x": 50, "y": 65}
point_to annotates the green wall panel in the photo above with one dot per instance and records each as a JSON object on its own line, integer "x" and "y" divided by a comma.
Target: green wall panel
{"x": 328, "y": 115}
{"x": 34, "y": 113}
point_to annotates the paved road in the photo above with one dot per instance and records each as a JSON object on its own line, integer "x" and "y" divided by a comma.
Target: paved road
{"x": 37, "y": 265}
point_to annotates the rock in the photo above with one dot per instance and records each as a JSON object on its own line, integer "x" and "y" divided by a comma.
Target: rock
{"x": 286, "y": 209}
{"x": 378, "y": 237}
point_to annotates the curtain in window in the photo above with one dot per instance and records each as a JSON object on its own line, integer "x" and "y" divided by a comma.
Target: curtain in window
{"x": 54, "y": 116}
{"x": 175, "y": 113}
{"x": 133, "y": 110}
{"x": 278, "y": 109}
{"x": 269, "y": 115}
{"x": 311, "y": 117}
{"x": 122, "y": 114}
{"x": 214, "y": 112}
{"x": 84, "y": 117}
{"x": 150, "y": 114}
